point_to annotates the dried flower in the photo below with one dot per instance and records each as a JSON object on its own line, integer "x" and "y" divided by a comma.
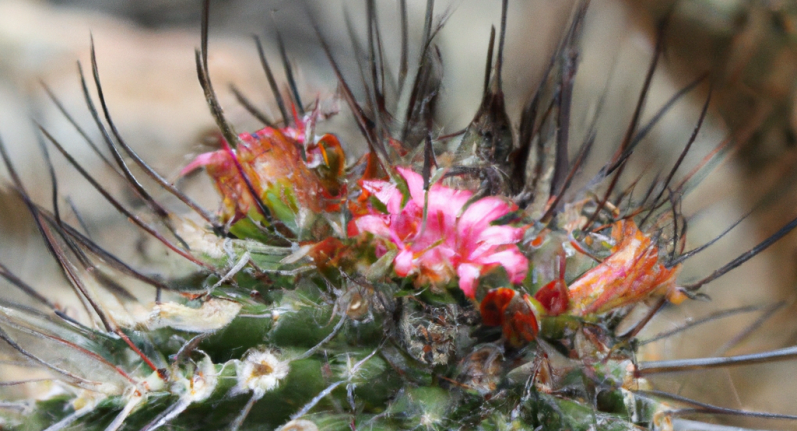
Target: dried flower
{"x": 272, "y": 161}
{"x": 200, "y": 385}
{"x": 467, "y": 245}
{"x": 213, "y": 314}
{"x": 260, "y": 371}
{"x": 194, "y": 388}
{"x": 629, "y": 275}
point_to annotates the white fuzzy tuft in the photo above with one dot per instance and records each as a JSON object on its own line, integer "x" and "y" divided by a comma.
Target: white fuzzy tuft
{"x": 260, "y": 371}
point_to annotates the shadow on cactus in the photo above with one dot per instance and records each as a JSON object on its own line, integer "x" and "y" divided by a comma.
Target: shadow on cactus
{"x": 437, "y": 281}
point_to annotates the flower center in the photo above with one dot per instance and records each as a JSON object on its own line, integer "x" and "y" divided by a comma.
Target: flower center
{"x": 262, "y": 369}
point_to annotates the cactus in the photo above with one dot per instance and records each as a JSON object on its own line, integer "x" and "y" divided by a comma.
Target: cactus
{"x": 434, "y": 282}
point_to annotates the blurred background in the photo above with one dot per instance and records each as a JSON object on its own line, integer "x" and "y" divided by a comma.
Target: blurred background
{"x": 145, "y": 53}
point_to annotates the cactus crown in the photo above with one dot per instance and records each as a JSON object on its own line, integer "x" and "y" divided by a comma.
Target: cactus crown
{"x": 438, "y": 281}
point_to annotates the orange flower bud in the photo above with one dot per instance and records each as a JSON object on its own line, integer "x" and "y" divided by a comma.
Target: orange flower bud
{"x": 514, "y": 312}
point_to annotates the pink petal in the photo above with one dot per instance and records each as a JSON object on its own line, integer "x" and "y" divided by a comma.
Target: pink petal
{"x": 498, "y": 235}
{"x": 478, "y": 253}
{"x": 512, "y": 260}
{"x": 468, "y": 279}
{"x": 403, "y": 263}
{"x": 447, "y": 199}
{"x": 394, "y": 204}
{"x": 407, "y": 223}
{"x": 204, "y": 159}
{"x": 375, "y": 224}
{"x": 382, "y": 190}
{"x": 482, "y": 212}
{"x": 452, "y": 200}
{"x": 436, "y": 260}
{"x": 443, "y": 254}
{"x": 414, "y": 183}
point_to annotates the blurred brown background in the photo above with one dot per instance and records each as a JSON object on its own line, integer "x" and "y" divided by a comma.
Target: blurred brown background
{"x": 145, "y": 52}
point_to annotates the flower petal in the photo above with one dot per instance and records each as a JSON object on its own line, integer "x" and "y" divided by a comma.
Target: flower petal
{"x": 481, "y": 213}
{"x": 404, "y": 263}
{"x": 414, "y": 183}
{"x": 468, "y": 278}
{"x": 382, "y": 190}
{"x": 498, "y": 235}
{"x": 205, "y": 159}
{"x": 375, "y": 224}
{"x": 445, "y": 244}
{"x": 512, "y": 260}
{"x": 447, "y": 199}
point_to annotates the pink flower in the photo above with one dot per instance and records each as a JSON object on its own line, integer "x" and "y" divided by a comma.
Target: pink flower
{"x": 466, "y": 245}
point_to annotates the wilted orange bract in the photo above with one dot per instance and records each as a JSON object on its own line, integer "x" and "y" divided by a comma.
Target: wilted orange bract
{"x": 274, "y": 164}
{"x": 330, "y": 168}
{"x": 629, "y": 275}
